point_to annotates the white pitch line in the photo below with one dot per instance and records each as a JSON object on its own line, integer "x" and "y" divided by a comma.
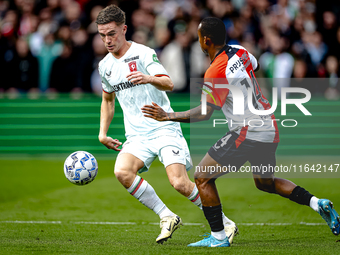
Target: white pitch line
{"x": 188, "y": 224}
{"x": 312, "y": 224}
{"x": 156, "y": 223}
{"x": 264, "y": 224}
{"x": 105, "y": 223}
{"x": 32, "y": 222}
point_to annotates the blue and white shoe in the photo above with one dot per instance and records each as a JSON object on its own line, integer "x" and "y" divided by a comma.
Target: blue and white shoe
{"x": 211, "y": 241}
{"x": 329, "y": 215}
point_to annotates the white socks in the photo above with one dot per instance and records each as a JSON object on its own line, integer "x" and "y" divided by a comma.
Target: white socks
{"x": 195, "y": 197}
{"x": 220, "y": 235}
{"x": 313, "y": 203}
{"x": 145, "y": 194}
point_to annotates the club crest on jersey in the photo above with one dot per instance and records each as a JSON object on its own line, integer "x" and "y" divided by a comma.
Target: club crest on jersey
{"x": 133, "y": 66}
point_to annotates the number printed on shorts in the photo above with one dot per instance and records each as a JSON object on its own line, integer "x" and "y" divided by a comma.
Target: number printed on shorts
{"x": 223, "y": 140}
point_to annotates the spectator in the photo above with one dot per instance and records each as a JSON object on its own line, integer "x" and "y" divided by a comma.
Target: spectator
{"x": 328, "y": 30}
{"x": 332, "y": 68}
{"x": 64, "y": 64}
{"x": 8, "y": 27}
{"x": 176, "y": 57}
{"x": 315, "y": 46}
{"x": 277, "y": 64}
{"x": 182, "y": 59}
{"x": 83, "y": 54}
{"x": 99, "y": 52}
{"x": 300, "y": 77}
{"x": 306, "y": 30}
{"x": 50, "y": 50}
{"x": 92, "y": 28}
{"x": 25, "y": 72}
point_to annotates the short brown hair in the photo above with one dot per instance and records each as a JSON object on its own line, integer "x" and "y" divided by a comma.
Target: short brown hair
{"x": 109, "y": 14}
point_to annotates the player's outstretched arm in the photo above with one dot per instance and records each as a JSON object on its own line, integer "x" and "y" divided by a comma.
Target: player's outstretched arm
{"x": 193, "y": 115}
{"x": 163, "y": 83}
{"x": 106, "y": 116}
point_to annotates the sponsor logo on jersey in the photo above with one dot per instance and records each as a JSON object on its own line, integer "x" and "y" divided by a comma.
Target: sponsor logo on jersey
{"x": 244, "y": 60}
{"x": 108, "y": 74}
{"x": 133, "y": 66}
{"x": 235, "y": 66}
{"x": 176, "y": 153}
{"x": 130, "y": 59}
{"x": 124, "y": 85}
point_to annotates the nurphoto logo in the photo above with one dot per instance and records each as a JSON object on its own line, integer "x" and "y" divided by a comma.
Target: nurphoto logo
{"x": 238, "y": 99}
{"x": 253, "y": 98}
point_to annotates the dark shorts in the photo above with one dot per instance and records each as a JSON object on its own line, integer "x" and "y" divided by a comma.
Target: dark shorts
{"x": 259, "y": 155}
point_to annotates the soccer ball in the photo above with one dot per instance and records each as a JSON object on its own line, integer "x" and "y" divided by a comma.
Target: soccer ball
{"x": 80, "y": 167}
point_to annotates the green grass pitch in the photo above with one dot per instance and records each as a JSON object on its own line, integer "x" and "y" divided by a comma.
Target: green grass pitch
{"x": 42, "y": 213}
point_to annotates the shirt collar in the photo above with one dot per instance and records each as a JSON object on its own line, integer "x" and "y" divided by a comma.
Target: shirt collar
{"x": 225, "y": 48}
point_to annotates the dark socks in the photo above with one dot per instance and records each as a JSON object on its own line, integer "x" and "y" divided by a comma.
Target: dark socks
{"x": 214, "y": 216}
{"x": 300, "y": 196}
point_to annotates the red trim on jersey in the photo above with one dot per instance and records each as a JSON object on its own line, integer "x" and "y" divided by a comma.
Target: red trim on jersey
{"x": 242, "y": 136}
{"x": 160, "y": 75}
{"x": 108, "y": 92}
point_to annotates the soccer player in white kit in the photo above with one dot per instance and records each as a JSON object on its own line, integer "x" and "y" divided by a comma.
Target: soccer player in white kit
{"x": 132, "y": 73}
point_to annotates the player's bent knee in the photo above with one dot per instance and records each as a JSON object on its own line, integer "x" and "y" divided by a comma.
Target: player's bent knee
{"x": 123, "y": 176}
{"x": 179, "y": 184}
{"x": 201, "y": 181}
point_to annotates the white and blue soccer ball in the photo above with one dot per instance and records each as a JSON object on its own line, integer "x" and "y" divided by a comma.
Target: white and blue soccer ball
{"x": 80, "y": 167}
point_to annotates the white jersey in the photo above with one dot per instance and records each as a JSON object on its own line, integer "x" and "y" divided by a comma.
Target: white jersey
{"x": 234, "y": 65}
{"x": 132, "y": 97}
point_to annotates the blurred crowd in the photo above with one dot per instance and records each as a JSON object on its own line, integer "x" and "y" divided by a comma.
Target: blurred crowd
{"x": 53, "y": 46}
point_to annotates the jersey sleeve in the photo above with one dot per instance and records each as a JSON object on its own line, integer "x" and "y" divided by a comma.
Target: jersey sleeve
{"x": 215, "y": 94}
{"x": 152, "y": 64}
{"x": 105, "y": 84}
{"x": 214, "y": 78}
{"x": 253, "y": 61}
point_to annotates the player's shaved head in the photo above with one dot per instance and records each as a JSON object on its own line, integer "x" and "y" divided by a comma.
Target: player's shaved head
{"x": 214, "y": 29}
{"x": 109, "y": 14}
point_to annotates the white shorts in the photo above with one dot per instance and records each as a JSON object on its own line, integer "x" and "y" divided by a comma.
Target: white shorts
{"x": 170, "y": 148}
